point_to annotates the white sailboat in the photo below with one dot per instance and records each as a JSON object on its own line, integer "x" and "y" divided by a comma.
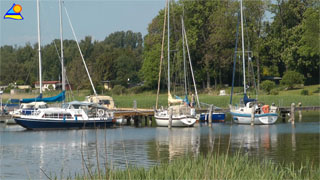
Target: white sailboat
{"x": 249, "y": 112}
{"x": 73, "y": 115}
{"x": 183, "y": 115}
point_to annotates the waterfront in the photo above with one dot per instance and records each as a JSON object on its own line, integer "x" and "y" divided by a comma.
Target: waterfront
{"x": 24, "y": 153}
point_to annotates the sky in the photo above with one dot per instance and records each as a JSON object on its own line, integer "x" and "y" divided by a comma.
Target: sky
{"x": 96, "y": 18}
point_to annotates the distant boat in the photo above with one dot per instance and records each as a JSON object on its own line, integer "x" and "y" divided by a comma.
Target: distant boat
{"x": 73, "y": 115}
{"x": 216, "y": 117}
{"x": 243, "y": 113}
{"x": 183, "y": 113}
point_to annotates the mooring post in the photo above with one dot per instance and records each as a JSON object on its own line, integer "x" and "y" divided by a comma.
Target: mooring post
{"x": 210, "y": 115}
{"x": 145, "y": 120}
{"x": 252, "y": 115}
{"x": 292, "y": 113}
{"x": 170, "y": 118}
{"x": 139, "y": 118}
{"x": 283, "y": 114}
{"x": 128, "y": 120}
{"x": 132, "y": 121}
{"x": 300, "y": 114}
{"x": 134, "y": 104}
{"x": 150, "y": 120}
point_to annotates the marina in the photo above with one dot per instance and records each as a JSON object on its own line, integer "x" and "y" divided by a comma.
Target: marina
{"x": 160, "y": 90}
{"x": 58, "y": 152}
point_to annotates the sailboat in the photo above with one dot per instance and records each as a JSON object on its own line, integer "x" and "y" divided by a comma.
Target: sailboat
{"x": 29, "y": 105}
{"x": 249, "y": 111}
{"x": 182, "y": 114}
{"x": 72, "y": 115}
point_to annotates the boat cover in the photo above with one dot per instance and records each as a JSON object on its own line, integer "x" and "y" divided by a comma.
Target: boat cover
{"x": 246, "y": 99}
{"x": 57, "y": 98}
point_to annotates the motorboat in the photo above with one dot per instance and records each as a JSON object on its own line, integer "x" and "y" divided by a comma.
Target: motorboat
{"x": 73, "y": 115}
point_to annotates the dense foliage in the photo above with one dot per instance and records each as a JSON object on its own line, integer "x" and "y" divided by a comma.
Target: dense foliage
{"x": 289, "y": 41}
{"x": 267, "y": 85}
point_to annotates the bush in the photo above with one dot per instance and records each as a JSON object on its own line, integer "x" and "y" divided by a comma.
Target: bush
{"x": 274, "y": 92}
{"x": 118, "y": 89}
{"x": 291, "y": 78}
{"x": 304, "y": 92}
{"x": 267, "y": 85}
{"x": 136, "y": 90}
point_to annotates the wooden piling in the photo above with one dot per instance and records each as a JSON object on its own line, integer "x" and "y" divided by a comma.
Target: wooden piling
{"x": 283, "y": 114}
{"x": 128, "y": 120}
{"x": 139, "y": 118}
{"x": 134, "y": 104}
{"x": 145, "y": 120}
{"x": 292, "y": 118}
{"x": 210, "y": 115}
{"x": 150, "y": 120}
{"x": 252, "y": 115}
{"x": 170, "y": 118}
{"x": 300, "y": 114}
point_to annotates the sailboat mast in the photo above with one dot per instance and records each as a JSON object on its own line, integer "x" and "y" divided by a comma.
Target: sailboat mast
{"x": 184, "y": 59}
{"x": 168, "y": 47}
{"x": 242, "y": 39}
{"x": 61, "y": 40}
{"x": 39, "y": 47}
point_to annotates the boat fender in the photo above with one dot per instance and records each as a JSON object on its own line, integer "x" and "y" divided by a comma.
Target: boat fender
{"x": 265, "y": 108}
{"x": 100, "y": 112}
{"x": 107, "y": 114}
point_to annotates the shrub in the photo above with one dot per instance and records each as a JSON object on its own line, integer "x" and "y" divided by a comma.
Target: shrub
{"x": 267, "y": 85}
{"x": 274, "y": 92}
{"x": 291, "y": 78}
{"x": 136, "y": 90}
{"x": 118, "y": 89}
{"x": 304, "y": 92}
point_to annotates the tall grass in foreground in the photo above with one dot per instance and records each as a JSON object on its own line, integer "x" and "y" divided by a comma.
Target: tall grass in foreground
{"x": 214, "y": 166}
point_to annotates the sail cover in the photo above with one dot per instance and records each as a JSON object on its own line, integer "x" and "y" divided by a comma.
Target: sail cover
{"x": 57, "y": 98}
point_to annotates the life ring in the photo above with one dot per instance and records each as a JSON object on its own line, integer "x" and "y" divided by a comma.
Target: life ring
{"x": 100, "y": 112}
{"x": 265, "y": 108}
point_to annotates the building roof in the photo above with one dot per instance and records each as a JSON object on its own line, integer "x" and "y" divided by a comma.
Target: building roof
{"x": 48, "y": 82}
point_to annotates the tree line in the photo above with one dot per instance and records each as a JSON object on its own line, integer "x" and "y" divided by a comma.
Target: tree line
{"x": 288, "y": 42}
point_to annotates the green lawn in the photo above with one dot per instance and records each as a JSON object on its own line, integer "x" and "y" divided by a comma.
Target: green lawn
{"x": 148, "y": 99}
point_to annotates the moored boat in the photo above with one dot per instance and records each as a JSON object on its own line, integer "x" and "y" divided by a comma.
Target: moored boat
{"x": 250, "y": 111}
{"x": 216, "y": 117}
{"x": 182, "y": 116}
{"x": 73, "y": 115}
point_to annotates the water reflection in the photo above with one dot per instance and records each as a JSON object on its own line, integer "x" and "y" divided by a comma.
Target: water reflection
{"x": 177, "y": 142}
{"x": 60, "y": 153}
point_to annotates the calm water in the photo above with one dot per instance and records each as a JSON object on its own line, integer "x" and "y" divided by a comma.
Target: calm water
{"x": 24, "y": 153}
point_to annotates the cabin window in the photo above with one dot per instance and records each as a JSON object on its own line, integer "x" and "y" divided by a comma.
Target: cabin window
{"x": 104, "y": 102}
{"x": 60, "y": 116}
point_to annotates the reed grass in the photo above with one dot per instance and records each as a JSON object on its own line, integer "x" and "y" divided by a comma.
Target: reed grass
{"x": 214, "y": 166}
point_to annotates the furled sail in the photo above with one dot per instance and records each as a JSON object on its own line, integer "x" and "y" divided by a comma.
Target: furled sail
{"x": 173, "y": 101}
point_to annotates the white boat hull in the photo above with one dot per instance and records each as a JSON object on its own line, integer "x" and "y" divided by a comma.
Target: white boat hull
{"x": 268, "y": 118}
{"x": 179, "y": 121}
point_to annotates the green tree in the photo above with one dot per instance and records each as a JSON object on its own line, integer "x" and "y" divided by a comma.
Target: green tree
{"x": 291, "y": 78}
{"x": 268, "y": 85}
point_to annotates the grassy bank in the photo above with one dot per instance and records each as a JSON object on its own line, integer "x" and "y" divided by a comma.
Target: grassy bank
{"x": 148, "y": 99}
{"x": 212, "y": 167}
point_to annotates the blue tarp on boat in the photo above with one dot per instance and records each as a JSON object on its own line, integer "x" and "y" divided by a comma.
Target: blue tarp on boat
{"x": 57, "y": 98}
